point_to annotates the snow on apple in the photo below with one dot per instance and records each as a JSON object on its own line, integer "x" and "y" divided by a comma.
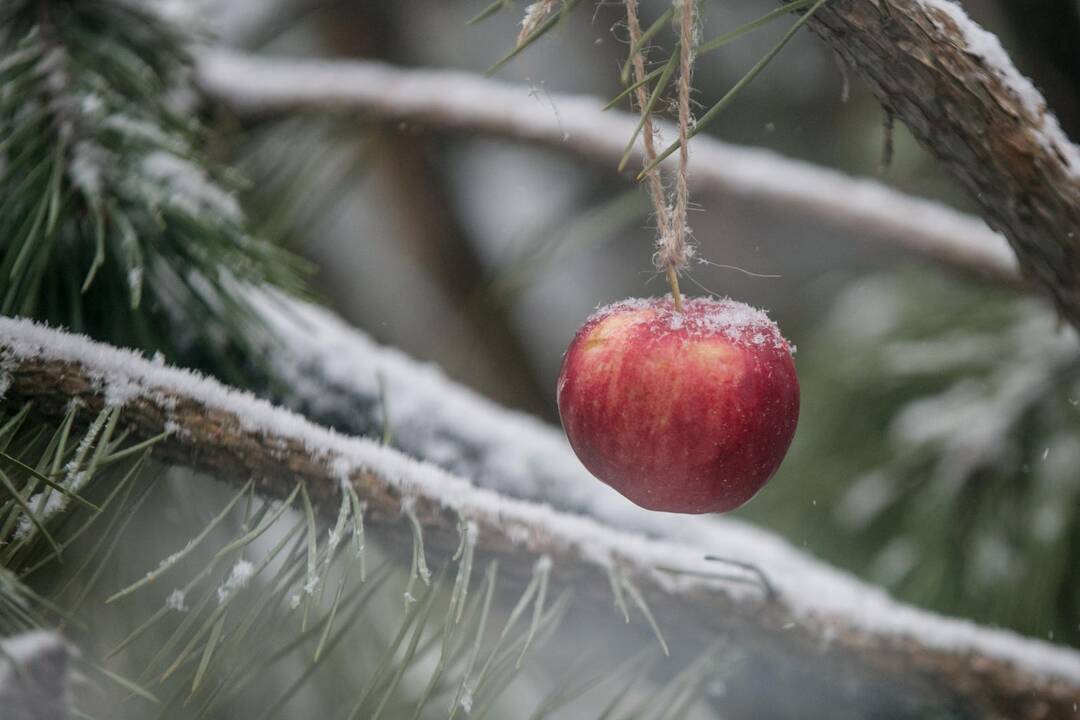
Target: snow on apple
{"x": 687, "y": 412}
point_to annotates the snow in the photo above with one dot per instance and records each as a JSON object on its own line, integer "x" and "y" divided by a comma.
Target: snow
{"x": 56, "y": 502}
{"x": 138, "y": 129}
{"x": 171, "y": 180}
{"x": 535, "y": 13}
{"x": 22, "y": 649}
{"x": 87, "y": 160}
{"x": 986, "y": 46}
{"x": 34, "y": 673}
{"x": 53, "y": 68}
{"x": 866, "y": 207}
{"x": 535, "y": 471}
{"x": 175, "y": 601}
{"x": 701, "y": 317}
{"x": 971, "y": 421}
{"x": 238, "y": 578}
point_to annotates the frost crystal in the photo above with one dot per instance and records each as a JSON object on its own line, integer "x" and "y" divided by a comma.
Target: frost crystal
{"x": 466, "y": 701}
{"x": 238, "y": 578}
{"x": 736, "y": 321}
{"x": 87, "y": 160}
{"x": 175, "y": 601}
{"x": 57, "y": 501}
{"x": 172, "y": 180}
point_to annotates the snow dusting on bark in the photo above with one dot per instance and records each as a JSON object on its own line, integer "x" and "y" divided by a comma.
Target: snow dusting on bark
{"x": 986, "y": 46}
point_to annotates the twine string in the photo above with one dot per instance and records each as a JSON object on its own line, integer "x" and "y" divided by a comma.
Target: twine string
{"x": 674, "y": 250}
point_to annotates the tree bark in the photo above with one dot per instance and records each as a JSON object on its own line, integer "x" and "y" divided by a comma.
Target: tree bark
{"x": 211, "y": 438}
{"x": 944, "y": 78}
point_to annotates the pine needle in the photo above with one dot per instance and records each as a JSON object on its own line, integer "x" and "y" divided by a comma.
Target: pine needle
{"x": 535, "y": 35}
{"x": 171, "y": 561}
{"x": 488, "y": 11}
{"x": 208, "y": 653}
{"x": 121, "y": 521}
{"x": 577, "y": 683}
{"x": 256, "y": 533}
{"x": 129, "y": 685}
{"x": 505, "y": 670}
{"x": 617, "y": 591}
{"x": 461, "y": 582}
{"x": 120, "y": 489}
{"x": 738, "y": 32}
{"x": 639, "y": 600}
{"x": 418, "y": 567}
{"x": 358, "y": 509}
{"x": 59, "y": 487}
{"x": 474, "y": 653}
{"x": 658, "y": 89}
{"x": 645, "y": 39}
{"x": 634, "y": 86}
{"x": 29, "y": 513}
{"x": 386, "y": 660}
{"x": 333, "y": 611}
{"x": 410, "y": 651}
{"x": 312, "y": 577}
{"x": 542, "y": 570}
{"x": 726, "y": 100}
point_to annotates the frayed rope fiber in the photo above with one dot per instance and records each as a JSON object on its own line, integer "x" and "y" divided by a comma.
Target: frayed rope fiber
{"x": 674, "y": 249}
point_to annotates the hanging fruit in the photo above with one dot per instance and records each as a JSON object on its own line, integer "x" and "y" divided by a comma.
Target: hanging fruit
{"x": 688, "y": 411}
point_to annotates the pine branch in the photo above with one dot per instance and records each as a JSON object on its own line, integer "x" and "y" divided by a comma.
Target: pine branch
{"x": 113, "y": 220}
{"x": 236, "y": 437}
{"x": 957, "y": 90}
{"x": 464, "y": 103}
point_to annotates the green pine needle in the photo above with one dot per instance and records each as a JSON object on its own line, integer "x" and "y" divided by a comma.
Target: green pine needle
{"x": 645, "y": 39}
{"x": 721, "y": 40}
{"x": 106, "y": 198}
{"x": 550, "y": 22}
{"x": 658, "y": 90}
{"x": 487, "y": 12}
{"x": 171, "y": 561}
{"x": 730, "y": 96}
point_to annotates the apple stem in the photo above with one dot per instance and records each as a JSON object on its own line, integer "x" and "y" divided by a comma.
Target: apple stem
{"x": 673, "y": 280}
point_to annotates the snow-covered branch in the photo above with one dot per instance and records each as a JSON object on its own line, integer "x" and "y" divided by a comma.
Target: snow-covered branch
{"x": 958, "y": 91}
{"x": 819, "y": 616}
{"x": 465, "y": 103}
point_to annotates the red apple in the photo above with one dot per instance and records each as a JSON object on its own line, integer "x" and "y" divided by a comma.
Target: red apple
{"x": 686, "y": 412}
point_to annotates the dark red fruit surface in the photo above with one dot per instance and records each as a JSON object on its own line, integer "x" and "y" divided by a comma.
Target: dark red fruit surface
{"x": 687, "y": 412}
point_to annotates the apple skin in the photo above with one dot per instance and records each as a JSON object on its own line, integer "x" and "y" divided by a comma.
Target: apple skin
{"x": 686, "y": 413}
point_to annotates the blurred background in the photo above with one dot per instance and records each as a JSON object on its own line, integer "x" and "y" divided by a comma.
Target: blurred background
{"x": 936, "y": 452}
{"x": 939, "y": 441}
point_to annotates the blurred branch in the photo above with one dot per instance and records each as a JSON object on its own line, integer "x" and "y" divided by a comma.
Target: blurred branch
{"x": 434, "y": 237}
{"x": 35, "y": 672}
{"x": 236, "y": 437}
{"x": 957, "y": 90}
{"x": 462, "y": 102}
{"x": 489, "y": 352}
